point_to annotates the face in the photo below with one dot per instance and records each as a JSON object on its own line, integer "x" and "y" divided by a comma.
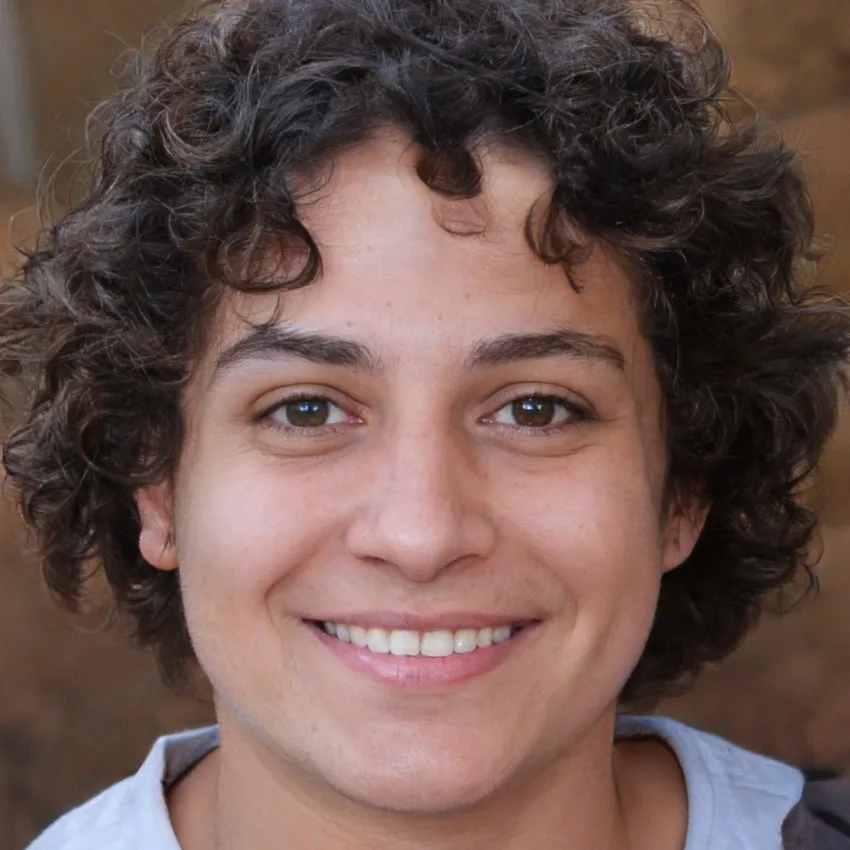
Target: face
{"x": 441, "y": 449}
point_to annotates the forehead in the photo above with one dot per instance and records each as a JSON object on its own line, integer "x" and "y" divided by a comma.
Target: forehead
{"x": 404, "y": 265}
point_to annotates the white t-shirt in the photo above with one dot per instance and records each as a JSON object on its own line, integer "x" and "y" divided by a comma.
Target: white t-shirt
{"x": 737, "y": 800}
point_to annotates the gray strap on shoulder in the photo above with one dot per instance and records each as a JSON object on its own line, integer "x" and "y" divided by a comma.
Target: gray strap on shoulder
{"x": 821, "y": 820}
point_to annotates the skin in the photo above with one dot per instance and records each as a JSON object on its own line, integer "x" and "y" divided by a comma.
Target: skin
{"x": 425, "y": 495}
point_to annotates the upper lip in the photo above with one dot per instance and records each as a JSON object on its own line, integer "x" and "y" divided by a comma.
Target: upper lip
{"x": 449, "y": 621}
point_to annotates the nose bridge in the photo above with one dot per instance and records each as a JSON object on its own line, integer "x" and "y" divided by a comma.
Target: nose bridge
{"x": 426, "y": 506}
{"x": 425, "y": 470}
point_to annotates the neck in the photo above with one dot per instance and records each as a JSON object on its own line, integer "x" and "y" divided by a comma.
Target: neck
{"x": 593, "y": 798}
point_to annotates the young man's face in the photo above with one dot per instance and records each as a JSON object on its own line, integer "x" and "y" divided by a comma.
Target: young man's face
{"x": 439, "y": 444}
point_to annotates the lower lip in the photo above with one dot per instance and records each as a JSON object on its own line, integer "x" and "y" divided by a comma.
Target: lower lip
{"x": 418, "y": 671}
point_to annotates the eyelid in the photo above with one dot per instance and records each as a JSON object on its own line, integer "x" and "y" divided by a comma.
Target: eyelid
{"x": 264, "y": 413}
{"x": 576, "y": 404}
{"x": 571, "y": 411}
{"x": 573, "y": 414}
{"x": 331, "y": 407}
{"x": 571, "y": 399}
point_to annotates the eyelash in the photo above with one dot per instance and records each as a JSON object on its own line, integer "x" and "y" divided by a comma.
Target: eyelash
{"x": 577, "y": 414}
{"x": 266, "y": 419}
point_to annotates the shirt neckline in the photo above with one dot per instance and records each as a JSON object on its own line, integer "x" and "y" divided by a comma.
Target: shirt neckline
{"x": 699, "y": 754}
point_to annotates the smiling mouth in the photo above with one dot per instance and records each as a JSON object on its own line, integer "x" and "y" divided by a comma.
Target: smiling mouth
{"x": 432, "y": 644}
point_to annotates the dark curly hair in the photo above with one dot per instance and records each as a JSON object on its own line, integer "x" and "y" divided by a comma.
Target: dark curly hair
{"x": 197, "y": 172}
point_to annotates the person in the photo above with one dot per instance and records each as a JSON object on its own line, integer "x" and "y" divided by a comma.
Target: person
{"x": 440, "y": 378}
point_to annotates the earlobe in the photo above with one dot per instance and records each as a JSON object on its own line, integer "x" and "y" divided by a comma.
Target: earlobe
{"x": 156, "y": 533}
{"x": 684, "y": 526}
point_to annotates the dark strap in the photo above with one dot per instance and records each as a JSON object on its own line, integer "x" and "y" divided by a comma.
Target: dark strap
{"x": 821, "y": 820}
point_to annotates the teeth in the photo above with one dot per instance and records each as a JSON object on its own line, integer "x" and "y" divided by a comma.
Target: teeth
{"x": 466, "y": 640}
{"x": 378, "y": 640}
{"x": 501, "y": 634}
{"x": 437, "y": 644}
{"x": 404, "y": 643}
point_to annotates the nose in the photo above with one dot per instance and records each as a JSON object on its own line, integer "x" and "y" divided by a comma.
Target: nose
{"x": 425, "y": 507}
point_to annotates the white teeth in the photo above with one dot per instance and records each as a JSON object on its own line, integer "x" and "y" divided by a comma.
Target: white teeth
{"x": 438, "y": 644}
{"x": 466, "y": 640}
{"x": 484, "y": 638}
{"x": 403, "y": 642}
{"x": 378, "y": 640}
{"x": 501, "y": 634}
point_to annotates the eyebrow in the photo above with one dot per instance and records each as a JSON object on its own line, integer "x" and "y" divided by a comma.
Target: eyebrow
{"x": 568, "y": 342}
{"x": 272, "y": 341}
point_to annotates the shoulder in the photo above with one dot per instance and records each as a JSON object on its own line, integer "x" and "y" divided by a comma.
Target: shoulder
{"x": 133, "y": 814}
{"x": 101, "y": 822}
{"x": 821, "y": 820}
{"x": 731, "y": 771}
{"x": 735, "y": 797}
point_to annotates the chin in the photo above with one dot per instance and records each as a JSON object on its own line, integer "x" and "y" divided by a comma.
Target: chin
{"x": 420, "y": 783}
{"x": 418, "y": 795}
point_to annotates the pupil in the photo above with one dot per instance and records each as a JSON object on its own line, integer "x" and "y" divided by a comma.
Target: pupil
{"x": 534, "y": 412}
{"x": 307, "y": 412}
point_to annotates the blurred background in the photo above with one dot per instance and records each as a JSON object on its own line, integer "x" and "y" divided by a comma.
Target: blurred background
{"x": 79, "y": 710}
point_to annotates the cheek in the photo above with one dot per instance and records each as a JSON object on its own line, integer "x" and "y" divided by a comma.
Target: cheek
{"x": 594, "y": 527}
{"x": 244, "y": 529}
{"x": 590, "y": 534}
{"x": 600, "y": 506}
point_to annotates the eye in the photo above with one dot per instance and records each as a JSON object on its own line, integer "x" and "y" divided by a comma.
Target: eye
{"x": 537, "y": 412}
{"x": 307, "y": 412}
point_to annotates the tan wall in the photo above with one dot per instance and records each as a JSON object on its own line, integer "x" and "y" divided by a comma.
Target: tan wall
{"x": 78, "y": 711}
{"x": 72, "y": 48}
{"x": 787, "y": 691}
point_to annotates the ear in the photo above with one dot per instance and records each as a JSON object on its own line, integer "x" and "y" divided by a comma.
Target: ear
{"x": 156, "y": 535}
{"x": 684, "y": 523}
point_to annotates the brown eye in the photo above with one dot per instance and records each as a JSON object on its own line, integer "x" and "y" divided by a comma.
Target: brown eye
{"x": 534, "y": 411}
{"x": 308, "y": 412}
{"x": 537, "y": 412}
